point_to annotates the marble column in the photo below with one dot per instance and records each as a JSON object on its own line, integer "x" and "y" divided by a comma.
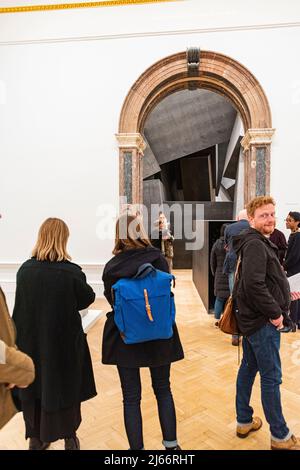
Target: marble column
{"x": 131, "y": 147}
{"x": 257, "y": 146}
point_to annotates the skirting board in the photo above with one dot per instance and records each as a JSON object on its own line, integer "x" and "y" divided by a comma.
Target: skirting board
{"x": 91, "y": 318}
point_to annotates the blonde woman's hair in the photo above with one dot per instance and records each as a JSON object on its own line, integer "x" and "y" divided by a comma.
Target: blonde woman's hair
{"x": 130, "y": 233}
{"x": 52, "y": 241}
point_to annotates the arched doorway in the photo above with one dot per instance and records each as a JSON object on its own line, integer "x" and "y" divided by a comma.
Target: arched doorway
{"x": 211, "y": 71}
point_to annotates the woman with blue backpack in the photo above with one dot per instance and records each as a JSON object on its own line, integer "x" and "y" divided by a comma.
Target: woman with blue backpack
{"x": 136, "y": 280}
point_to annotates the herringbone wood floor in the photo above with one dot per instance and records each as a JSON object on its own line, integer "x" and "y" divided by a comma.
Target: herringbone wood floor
{"x": 203, "y": 386}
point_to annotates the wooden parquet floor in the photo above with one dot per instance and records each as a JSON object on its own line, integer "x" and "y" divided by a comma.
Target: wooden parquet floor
{"x": 203, "y": 386}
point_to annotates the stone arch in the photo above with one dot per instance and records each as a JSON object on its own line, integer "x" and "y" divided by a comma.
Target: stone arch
{"x": 218, "y": 73}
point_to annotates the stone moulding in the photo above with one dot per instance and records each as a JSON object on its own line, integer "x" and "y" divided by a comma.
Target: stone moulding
{"x": 257, "y": 137}
{"x": 220, "y": 74}
{"x": 131, "y": 140}
{"x": 217, "y": 72}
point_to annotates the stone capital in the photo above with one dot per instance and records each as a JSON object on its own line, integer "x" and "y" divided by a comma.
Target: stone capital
{"x": 257, "y": 137}
{"x": 133, "y": 140}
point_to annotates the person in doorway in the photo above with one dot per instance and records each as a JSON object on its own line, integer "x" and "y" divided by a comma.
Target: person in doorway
{"x": 163, "y": 239}
{"x": 50, "y": 292}
{"x": 130, "y": 252}
{"x": 221, "y": 285}
{"x": 262, "y": 300}
{"x": 231, "y": 259}
{"x": 292, "y": 260}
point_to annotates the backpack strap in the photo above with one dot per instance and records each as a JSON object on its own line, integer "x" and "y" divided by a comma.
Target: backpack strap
{"x": 112, "y": 293}
{"x": 237, "y": 269}
{"x": 144, "y": 270}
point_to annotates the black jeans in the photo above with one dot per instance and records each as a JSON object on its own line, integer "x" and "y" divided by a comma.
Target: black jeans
{"x": 131, "y": 388}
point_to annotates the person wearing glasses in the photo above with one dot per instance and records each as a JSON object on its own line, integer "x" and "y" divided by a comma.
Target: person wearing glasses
{"x": 292, "y": 259}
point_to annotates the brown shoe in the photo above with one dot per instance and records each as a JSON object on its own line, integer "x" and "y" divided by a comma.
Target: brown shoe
{"x": 244, "y": 431}
{"x": 37, "y": 444}
{"x": 293, "y": 443}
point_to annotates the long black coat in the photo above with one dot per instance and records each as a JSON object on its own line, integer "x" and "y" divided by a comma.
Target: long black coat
{"x": 49, "y": 296}
{"x": 217, "y": 257}
{"x": 114, "y": 350}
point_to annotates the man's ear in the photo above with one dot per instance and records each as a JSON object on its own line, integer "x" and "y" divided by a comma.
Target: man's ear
{"x": 251, "y": 221}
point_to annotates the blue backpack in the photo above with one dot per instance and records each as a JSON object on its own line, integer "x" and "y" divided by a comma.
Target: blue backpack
{"x": 144, "y": 308}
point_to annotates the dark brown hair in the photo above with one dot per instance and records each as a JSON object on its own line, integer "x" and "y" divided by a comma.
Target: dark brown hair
{"x": 296, "y": 216}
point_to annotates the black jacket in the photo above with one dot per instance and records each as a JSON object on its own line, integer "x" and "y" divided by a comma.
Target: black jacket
{"x": 262, "y": 293}
{"x": 292, "y": 259}
{"x": 217, "y": 257}
{"x": 49, "y": 296}
{"x": 114, "y": 350}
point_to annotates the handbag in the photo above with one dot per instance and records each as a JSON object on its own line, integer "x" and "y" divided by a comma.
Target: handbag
{"x": 227, "y": 322}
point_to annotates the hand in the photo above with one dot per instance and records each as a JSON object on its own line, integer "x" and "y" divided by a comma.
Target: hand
{"x": 278, "y": 322}
{"x": 10, "y": 386}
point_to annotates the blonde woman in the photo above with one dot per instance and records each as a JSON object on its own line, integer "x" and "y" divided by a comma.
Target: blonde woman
{"x": 50, "y": 292}
{"x": 133, "y": 249}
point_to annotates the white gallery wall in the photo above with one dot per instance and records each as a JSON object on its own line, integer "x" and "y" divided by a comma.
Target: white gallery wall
{"x": 63, "y": 78}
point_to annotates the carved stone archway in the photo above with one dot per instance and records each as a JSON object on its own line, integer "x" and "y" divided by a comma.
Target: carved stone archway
{"x": 218, "y": 73}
